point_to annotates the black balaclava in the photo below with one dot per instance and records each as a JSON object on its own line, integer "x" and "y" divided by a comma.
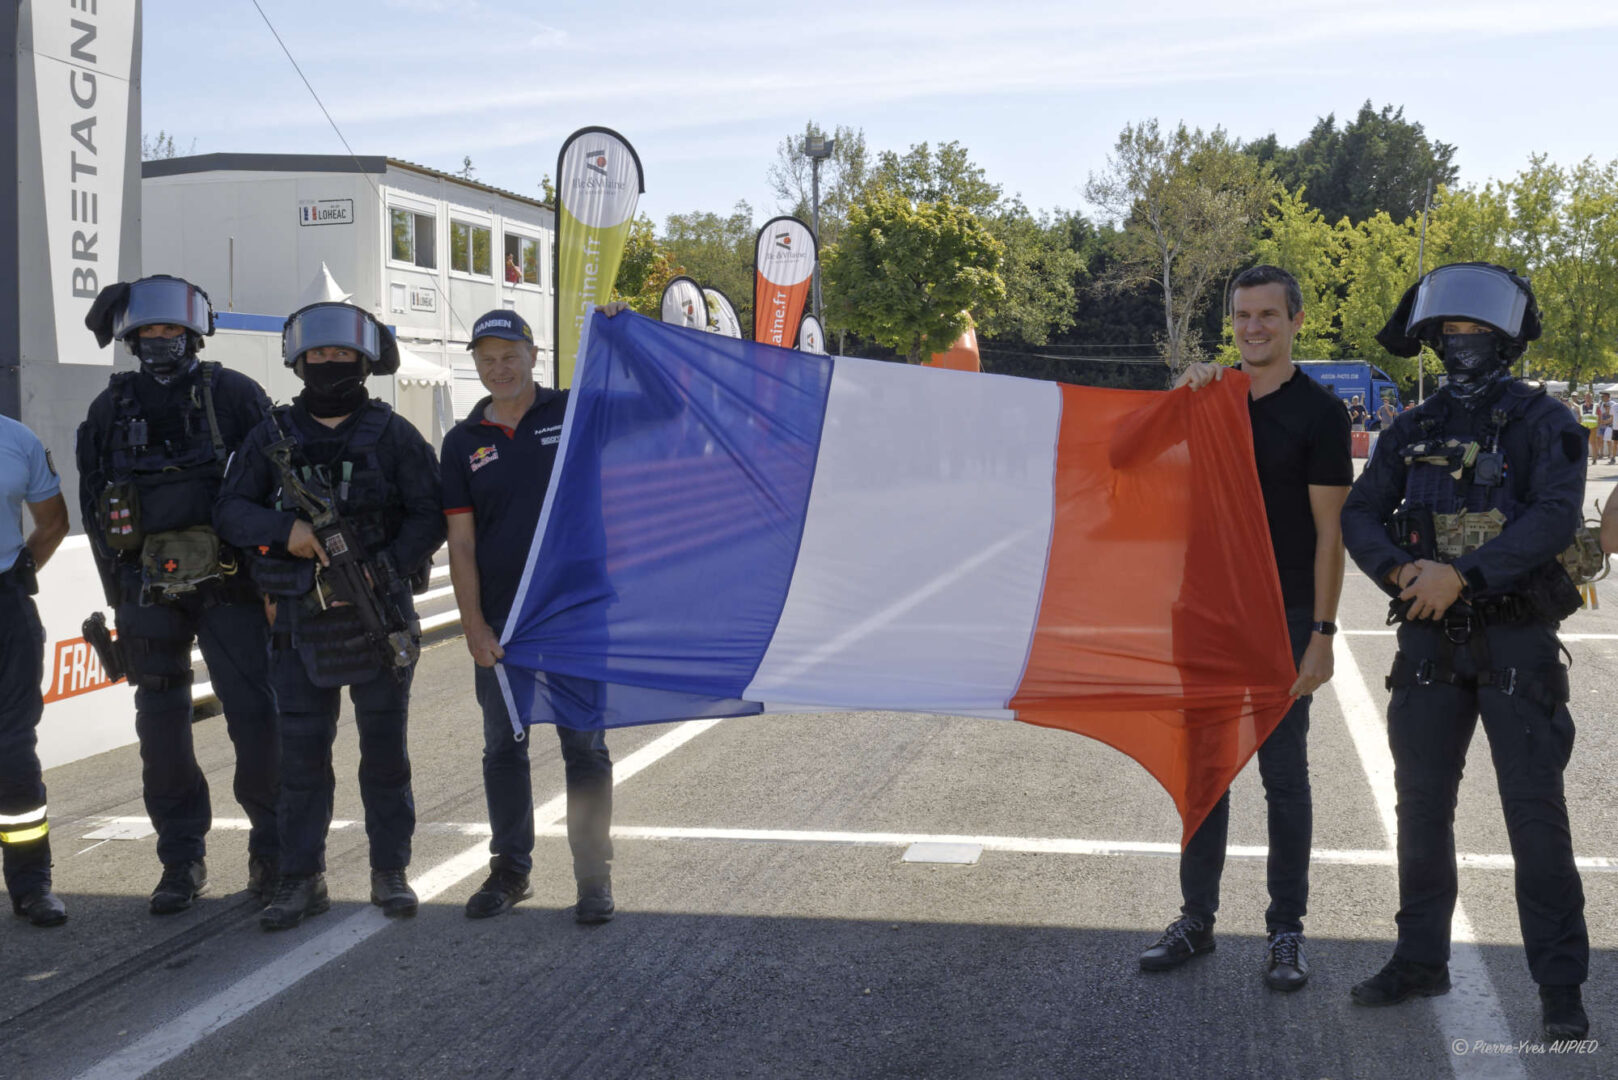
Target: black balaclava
{"x": 1473, "y": 364}
{"x": 165, "y": 358}
{"x": 333, "y": 389}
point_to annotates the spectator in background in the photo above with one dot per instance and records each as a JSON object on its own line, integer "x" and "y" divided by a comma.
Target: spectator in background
{"x": 1386, "y": 411}
{"x": 1356, "y": 413}
{"x": 1604, "y": 426}
{"x": 513, "y": 271}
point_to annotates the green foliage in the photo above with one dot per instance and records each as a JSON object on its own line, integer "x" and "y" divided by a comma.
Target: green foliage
{"x": 717, "y": 250}
{"x": 1297, "y": 238}
{"x": 905, "y": 276}
{"x": 646, "y": 269}
{"x": 1379, "y": 161}
{"x": 1041, "y": 269}
{"x": 1188, "y": 203}
{"x": 946, "y": 175}
{"x": 1566, "y": 236}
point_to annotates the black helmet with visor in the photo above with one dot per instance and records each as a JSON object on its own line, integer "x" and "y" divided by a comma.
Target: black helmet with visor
{"x": 330, "y": 324}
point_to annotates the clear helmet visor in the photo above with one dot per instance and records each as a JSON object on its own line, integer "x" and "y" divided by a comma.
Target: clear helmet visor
{"x": 332, "y": 326}
{"x": 1480, "y": 294}
{"x": 155, "y": 301}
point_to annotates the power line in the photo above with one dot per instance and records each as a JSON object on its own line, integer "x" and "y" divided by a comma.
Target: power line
{"x": 448, "y": 304}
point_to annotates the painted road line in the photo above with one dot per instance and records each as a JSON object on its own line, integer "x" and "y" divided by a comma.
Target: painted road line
{"x": 1017, "y": 845}
{"x": 1471, "y": 1011}
{"x": 177, "y": 1036}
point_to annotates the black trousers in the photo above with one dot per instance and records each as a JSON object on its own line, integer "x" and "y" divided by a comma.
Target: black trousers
{"x": 234, "y": 638}
{"x": 1530, "y": 739}
{"x": 24, "y": 840}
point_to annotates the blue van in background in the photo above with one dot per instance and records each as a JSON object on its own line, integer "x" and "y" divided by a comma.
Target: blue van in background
{"x": 1354, "y": 377}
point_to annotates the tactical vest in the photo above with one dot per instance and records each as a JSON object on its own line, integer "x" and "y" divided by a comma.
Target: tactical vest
{"x": 329, "y": 639}
{"x": 365, "y": 495}
{"x": 1464, "y": 474}
{"x": 175, "y": 483}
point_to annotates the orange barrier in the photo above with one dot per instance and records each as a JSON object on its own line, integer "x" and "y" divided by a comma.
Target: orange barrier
{"x": 961, "y": 356}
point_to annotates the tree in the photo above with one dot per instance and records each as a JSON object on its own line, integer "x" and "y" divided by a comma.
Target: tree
{"x": 905, "y": 276}
{"x": 1042, "y": 270}
{"x": 1297, "y": 238}
{"x": 646, "y": 269}
{"x": 947, "y": 175}
{"x": 1379, "y": 264}
{"x": 1565, "y": 231}
{"x": 717, "y": 251}
{"x": 160, "y": 146}
{"x": 547, "y": 191}
{"x": 1378, "y": 161}
{"x": 1188, "y": 204}
{"x": 843, "y": 178}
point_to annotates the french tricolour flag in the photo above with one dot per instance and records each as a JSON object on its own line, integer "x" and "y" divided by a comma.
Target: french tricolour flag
{"x": 733, "y": 528}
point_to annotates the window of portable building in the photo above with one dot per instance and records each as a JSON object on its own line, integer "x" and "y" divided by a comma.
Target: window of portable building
{"x": 413, "y": 237}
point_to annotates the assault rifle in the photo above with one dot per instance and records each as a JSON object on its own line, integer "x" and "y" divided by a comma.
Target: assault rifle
{"x": 354, "y": 577}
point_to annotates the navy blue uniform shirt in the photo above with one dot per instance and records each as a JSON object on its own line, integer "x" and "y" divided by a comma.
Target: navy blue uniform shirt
{"x": 500, "y": 475}
{"x": 1545, "y": 459}
{"x": 246, "y": 516}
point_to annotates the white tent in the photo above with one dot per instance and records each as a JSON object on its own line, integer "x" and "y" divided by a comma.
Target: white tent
{"x": 322, "y": 287}
{"x": 422, "y": 395}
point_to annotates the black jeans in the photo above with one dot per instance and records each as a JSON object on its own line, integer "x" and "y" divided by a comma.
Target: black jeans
{"x": 1283, "y": 765}
{"x": 1530, "y": 739}
{"x": 234, "y": 639}
{"x": 509, "y": 789}
{"x": 22, "y": 786}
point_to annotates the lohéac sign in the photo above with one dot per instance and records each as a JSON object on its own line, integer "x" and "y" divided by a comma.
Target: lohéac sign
{"x": 325, "y": 212}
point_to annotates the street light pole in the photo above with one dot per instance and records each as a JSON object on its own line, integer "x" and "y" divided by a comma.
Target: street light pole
{"x": 817, "y": 148}
{"x": 1421, "y": 266}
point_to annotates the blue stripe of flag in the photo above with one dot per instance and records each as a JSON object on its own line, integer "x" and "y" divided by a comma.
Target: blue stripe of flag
{"x": 680, "y": 505}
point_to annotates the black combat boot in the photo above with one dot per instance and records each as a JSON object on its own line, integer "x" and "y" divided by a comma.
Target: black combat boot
{"x": 180, "y": 884}
{"x": 1400, "y": 980}
{"x": 296, "y": 897}
{"x": 595, "y": 901}
{"x": 499, "y": 893}
{"x": 1561, "y": 1011}
{"x": 41, "y": 908}
{"x": 392, "y": 893}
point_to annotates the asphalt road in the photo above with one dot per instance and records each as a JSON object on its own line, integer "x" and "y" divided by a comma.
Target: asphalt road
{"x": 769, "y": 925}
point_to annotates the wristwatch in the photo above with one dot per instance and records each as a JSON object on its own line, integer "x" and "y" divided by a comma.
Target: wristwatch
{"x": 1327, "y": 628}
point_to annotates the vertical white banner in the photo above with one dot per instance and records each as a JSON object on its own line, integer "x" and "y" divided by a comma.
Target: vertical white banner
{"x": 811, "y": 335}
{"x": 722, "y": 313}
{"x": 83, "y": 56}
{"x": 684, "y": 305}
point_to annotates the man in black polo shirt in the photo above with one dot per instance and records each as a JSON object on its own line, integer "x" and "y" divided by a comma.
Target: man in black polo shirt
{"x": 496, "y": 466}
{"x": 1301, "y": 446}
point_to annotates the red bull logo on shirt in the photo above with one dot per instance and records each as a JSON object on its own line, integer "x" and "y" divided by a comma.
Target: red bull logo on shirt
{"x": 482, "y": 456}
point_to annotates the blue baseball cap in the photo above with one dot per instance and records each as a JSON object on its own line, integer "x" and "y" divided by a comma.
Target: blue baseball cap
{"x": 501, "y": 323}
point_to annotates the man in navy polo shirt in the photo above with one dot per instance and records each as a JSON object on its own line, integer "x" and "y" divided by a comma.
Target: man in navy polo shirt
{"x": 490, "y": 462}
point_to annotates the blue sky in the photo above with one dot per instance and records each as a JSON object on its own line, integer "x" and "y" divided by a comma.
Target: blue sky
{"x": 1037, "y": 91}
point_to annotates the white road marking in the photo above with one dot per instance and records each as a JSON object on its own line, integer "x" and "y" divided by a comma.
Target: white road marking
{"x": 175, "y": 1037}
{"x": 1471, "y": 1011}
{"x": 1019, "y": 845}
